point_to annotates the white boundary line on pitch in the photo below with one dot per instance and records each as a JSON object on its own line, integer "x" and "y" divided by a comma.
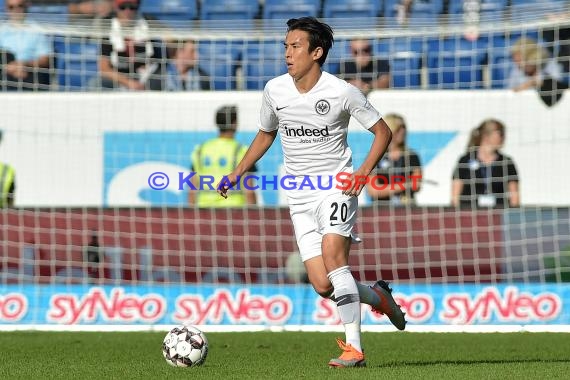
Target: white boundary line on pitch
{"x": 304, "y": 328}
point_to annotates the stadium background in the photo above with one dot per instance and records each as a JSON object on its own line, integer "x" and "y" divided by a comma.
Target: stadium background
{"x": 83, "y": 159}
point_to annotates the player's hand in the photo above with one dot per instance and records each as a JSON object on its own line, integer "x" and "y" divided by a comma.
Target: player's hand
{"x": 358, "y": 181}
{"x": 226, "y": 183}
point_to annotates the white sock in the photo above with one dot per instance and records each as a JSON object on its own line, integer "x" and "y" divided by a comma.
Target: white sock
{"x": 347, "y": 303}
{"x": 365, "y": 292}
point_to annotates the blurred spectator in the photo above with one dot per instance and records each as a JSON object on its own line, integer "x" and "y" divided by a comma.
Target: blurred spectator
{"x": 403, "y": 10}
{"x": 398, "y": 165}
{"x": 559, "y": 37}
{"x": 183, "y": 72}
{"x": 535, "y": 69}
{"x": 216, "y": 157}
{"x": 25, "y": 51}
{"x": 484, "y": 177}
{"x": 471, "y": 17}
{"x": 362, "y": 70}
{"x": 91, "y": 8}
{"x": 129, "y": 59}
{"x": 7, "y": 183}
{"x": 532, "y": 65}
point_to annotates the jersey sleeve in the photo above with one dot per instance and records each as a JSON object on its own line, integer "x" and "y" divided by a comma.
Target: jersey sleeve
{"x": 360, "y": 108}
{"x": 461, "y": 170}
{"x": 415, "y": 162}
{"x": 512, "y": 174}
{"x": 267, "y": 119}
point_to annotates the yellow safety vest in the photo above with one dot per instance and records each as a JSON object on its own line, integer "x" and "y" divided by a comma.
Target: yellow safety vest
{"x": 211, "y": 161}
{"x": 7, "y": 175}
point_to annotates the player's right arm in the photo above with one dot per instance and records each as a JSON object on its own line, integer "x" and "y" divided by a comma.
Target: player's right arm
{"x": 268, "y": 125}
{"x": 256, "y": 150}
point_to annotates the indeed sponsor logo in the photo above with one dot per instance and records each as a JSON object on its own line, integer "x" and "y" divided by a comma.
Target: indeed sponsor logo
{"x": 307, "y": 132}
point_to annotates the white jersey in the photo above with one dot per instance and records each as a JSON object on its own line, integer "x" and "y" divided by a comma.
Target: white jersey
{"x": 313, "y": 126}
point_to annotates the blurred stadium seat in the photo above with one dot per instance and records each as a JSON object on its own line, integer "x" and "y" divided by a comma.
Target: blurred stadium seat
{"x": 76, "y": 62}
{"x": 431, "y": 7}
{"x": 337, "y": 53}
{"x": 171, "y": 12}
{"x": 419, "y": 7}
{"x": 48, "y": 13}
{"x": 276, "y": 12}
{"x": 485, "y": 10}
{"x": 406, "y": 59}
{"x": 456, "y": 7}
{"x": 277, "y": 9}
{"x": 542, "y": 3}
{"x": 262, "y": 61}
{"x": 220, "y": 60}
{"x": 422, "y": 13}
{"x": 456, "y": 63}
{"x": 351, "y": 8}
{"x": 533, "y": 10}
{"x": 229, "y": 10}
{"x": 417, "y": 20}
{"x": 500, "y": 63}
{"x": 405, "y": 56}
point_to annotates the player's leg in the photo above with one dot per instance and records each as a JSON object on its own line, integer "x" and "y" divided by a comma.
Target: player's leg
{"x": 335, "y": 250}
{"x": 335, "y": 253}
{"x": 336, "y": 216}
{"x": 306, "y": 223}
{"x": 317, "y": 273}
{"x": 309, "y": 243}
{"x": 378, "y": 296}
{"x": 346, "y": 297}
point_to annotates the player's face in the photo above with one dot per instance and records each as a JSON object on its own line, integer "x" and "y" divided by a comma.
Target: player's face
{"x": 297, "y": 56}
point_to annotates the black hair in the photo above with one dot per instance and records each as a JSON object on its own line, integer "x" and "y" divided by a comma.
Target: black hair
{"x": 320, "y": 34}
{"x": 226, "y": 118}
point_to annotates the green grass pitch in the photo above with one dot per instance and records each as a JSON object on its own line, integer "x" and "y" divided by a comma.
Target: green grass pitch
{"x": 286, "y": 355}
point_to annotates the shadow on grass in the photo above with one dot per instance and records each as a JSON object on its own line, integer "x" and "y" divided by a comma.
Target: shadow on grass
{"x": 468, "y": 362}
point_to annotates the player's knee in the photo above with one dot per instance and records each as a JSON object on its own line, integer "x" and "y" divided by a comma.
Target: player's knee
{"x": 325, "y": 292}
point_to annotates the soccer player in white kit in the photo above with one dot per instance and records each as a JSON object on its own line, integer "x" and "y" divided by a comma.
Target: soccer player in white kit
{"x": 311, "y": 110}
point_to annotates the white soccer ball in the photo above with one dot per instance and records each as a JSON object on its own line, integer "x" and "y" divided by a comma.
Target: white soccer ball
{"x": 185, "y": 346}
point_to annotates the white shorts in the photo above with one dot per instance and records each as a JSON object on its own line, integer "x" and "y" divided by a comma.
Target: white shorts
{"x": 335, "y": 213}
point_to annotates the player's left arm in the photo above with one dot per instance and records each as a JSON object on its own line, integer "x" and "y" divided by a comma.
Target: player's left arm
{"x": 382, "y": 138}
